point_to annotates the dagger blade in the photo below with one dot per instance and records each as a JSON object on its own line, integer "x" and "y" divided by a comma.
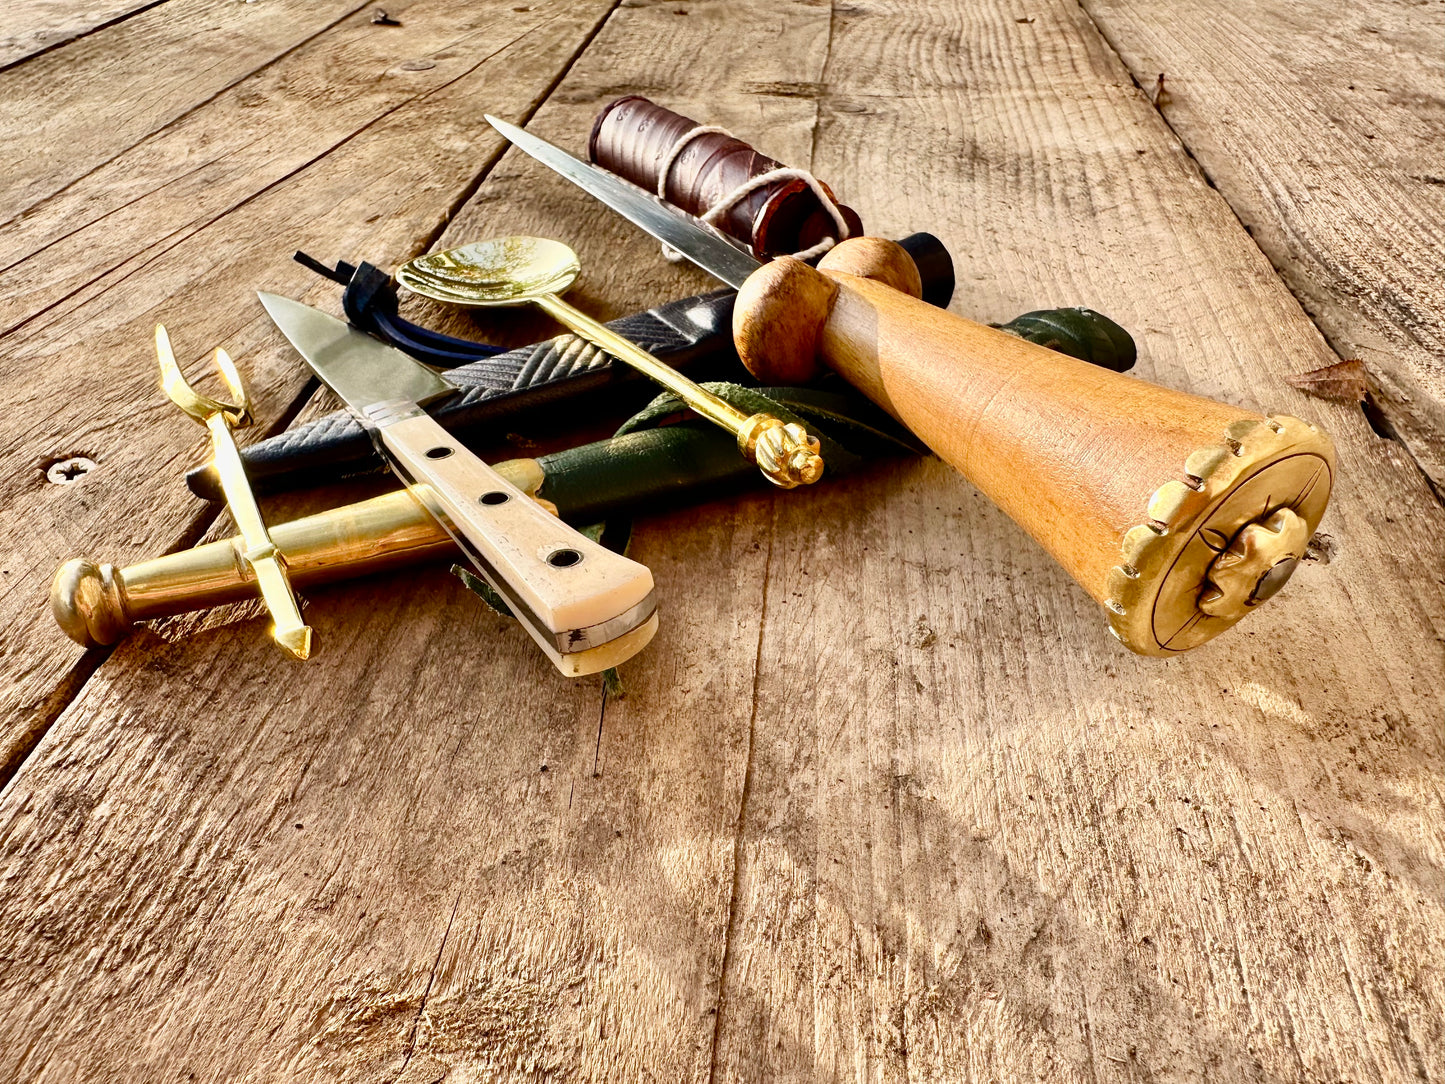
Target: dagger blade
{"x": 715, "y": 253}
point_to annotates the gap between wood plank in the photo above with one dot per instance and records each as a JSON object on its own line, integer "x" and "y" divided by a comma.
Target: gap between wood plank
{"x": 430, "y": 981}
{"x": 1378, "y": 420}
{"x": 734, "y": 916}
{"x": 59, "y": 43}
{"x": 471, "y": 190}
{"x": 75, "y": 681}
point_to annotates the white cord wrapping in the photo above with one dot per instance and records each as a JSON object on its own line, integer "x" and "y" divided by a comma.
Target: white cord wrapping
{"x": 747, "y": 188}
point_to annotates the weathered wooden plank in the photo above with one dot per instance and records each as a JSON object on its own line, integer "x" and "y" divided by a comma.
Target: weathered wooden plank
{"x": 74, "y": 108}
{"x": 1008, "y": 881}
{"x": 78, "y": 378}
{"x": 29, "y": 26}
{"x": 580, "y": 930}
{"x": 1322, "y": 127}
{"x": 981, "y": 842}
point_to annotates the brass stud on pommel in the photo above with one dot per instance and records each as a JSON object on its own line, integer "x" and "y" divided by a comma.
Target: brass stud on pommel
{"x": 1222, "y": 540}
{"x": 1259, "y": 561}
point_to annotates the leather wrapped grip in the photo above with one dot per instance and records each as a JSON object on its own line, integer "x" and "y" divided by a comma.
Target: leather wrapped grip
{"x": 632, "y": 137}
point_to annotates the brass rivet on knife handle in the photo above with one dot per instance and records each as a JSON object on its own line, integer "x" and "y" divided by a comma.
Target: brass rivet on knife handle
{"x": 1177, "y": 513}
{"x": 260, "y": 553}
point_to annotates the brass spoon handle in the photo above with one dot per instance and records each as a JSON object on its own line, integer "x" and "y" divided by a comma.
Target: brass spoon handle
{"x": 786, "y": 454}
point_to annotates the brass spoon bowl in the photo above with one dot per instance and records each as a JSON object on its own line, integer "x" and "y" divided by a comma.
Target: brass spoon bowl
{"x": 499, "y": 272}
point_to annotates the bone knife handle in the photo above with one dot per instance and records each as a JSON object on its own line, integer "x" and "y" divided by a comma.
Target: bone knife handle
{"x": 571, "y": 594}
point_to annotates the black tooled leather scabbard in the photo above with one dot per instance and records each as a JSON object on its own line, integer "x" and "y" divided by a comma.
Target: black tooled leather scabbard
{"x": 562, "y": 379}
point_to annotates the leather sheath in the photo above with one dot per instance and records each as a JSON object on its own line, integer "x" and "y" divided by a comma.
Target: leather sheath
{"x": 666, "y": 456}
{"x": 632, "y": 137}
{"x": 550, "y": 385}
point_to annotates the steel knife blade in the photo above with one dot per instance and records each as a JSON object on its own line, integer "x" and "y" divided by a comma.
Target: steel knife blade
{"x": 710, "y": 249}
{"x": 587, "y": 607}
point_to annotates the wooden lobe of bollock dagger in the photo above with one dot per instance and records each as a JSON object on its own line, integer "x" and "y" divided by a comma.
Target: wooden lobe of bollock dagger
{"x": 1177, "y": 513}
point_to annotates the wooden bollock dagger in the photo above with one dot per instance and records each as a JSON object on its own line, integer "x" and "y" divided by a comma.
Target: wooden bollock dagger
{"x": 1177, "y": 513}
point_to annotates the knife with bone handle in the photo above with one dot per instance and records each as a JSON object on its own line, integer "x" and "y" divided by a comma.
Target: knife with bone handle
{"x": 586, "y": 607}
{"x": 1179, "y": 514}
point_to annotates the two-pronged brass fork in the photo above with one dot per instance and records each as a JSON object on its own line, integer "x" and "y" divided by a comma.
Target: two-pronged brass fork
{"x": 260, "y": 553}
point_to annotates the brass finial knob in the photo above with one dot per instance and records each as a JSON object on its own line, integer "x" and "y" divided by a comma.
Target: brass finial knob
{"x": 787, "y": 454}
{"x": 87, "y": 603}
{"x": 1260, "y": 560}
{"x": 1224, "y": 538}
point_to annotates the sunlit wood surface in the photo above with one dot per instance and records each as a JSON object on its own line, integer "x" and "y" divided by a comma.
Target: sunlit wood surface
{"x": 883, "y": 802}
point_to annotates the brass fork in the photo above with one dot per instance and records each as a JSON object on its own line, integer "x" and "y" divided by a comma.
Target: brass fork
{"x": 266, "y": 561}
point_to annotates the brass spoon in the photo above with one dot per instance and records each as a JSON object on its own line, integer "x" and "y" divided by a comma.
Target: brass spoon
{"x": 521, "y": 270}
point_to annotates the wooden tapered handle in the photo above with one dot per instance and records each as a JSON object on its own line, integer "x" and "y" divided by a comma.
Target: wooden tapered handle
{"x": 1095, "y": 465}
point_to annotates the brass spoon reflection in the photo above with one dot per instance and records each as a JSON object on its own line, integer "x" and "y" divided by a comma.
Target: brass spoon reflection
{"x": 522, "y": 270}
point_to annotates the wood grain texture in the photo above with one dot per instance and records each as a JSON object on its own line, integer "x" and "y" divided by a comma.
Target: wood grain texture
{"x": 423, "y": 841}
{"x": 979, "y": 843}
{"x": 78, "y": 376}
{"x": 73, "y": 109}
{"x": 1322, "y": 128}
{"x": 883, "y": 801}
{"x": 30, "y": 26}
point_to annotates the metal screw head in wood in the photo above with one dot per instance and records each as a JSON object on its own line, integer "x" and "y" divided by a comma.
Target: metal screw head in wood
{"x": 521, "y": 270}
{"x": 220, "y": 417}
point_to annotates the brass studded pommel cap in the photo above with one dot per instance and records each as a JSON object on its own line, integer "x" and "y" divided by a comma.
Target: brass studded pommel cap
{"x": 1224, "y": 538}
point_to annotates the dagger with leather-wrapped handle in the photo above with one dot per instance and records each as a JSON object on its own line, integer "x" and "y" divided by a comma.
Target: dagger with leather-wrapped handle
{"x": 1177, "y": 513}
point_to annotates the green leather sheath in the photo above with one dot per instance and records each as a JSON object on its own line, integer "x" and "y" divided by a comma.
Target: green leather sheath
{"x": 665, "y": 455}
